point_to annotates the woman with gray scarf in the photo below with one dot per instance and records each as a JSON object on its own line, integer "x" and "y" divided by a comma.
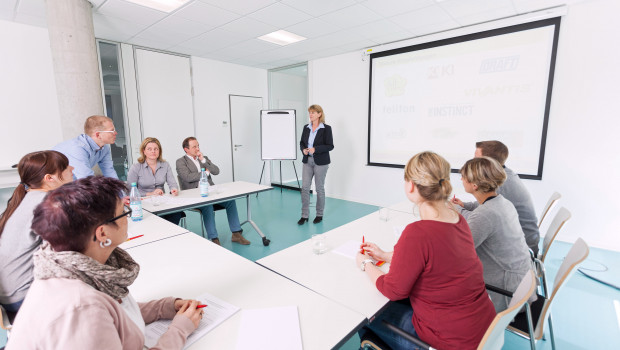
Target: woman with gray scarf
{"x": 79, "y": 298}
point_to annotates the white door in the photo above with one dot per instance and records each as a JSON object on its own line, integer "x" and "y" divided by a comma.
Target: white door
{"x": 245, "y": 130}
{"x": 166, "y": 107}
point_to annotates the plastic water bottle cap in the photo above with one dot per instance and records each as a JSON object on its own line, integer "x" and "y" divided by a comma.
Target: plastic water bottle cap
{"x": 202, "y": 169}
{"x": 133, "y": 184}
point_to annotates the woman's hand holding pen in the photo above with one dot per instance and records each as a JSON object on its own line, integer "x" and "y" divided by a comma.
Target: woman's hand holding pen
{"x": 375, "y": 252}
{"x": 188, "y": 309}
{"x": 457, "y": 201}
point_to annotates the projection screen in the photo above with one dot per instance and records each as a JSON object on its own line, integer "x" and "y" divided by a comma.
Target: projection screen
{"x": 445, "y": 95}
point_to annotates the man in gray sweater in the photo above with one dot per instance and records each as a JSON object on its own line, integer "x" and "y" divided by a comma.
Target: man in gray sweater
{"x": 513, "y": 190}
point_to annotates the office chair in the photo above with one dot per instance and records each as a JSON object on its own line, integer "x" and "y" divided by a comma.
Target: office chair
{"x": 183, "y": 222}
{"x": 493, "y": 338}
{"x": 5, "y": 321}
{"x": 552, "y": 200}
{"x": 530, "y": 325}
{"x": 560, "y": 218}
{"x": 541, "y": 309}
{"x": 554, "y": 228}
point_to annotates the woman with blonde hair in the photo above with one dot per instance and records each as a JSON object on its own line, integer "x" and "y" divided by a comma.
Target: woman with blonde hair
{"x": 434, "y": 265}
{"x": 494, "y": 222}
{"x": 152, "y": 172}
{"x": 316, "y": 143}
{"x": 39, "y": 172}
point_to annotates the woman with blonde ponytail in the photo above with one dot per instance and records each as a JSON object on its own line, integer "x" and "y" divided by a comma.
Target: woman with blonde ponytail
{"x": 434, "y": 265}
{"x": 39, "y": 172}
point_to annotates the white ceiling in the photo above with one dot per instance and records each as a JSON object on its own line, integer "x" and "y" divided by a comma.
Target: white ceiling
{"x": 226, "y": 30}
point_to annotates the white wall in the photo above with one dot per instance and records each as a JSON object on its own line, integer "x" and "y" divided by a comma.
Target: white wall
{"x": 288, "y": 91}
{"x": 213, "y": 82}
{"x": 581, "y": 160}
{"x": 30, "y": 119}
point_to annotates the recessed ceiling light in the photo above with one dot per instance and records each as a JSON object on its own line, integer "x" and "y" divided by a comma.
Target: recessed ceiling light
{"x": 282, "y": 37}
{"x": 161, "y": 5}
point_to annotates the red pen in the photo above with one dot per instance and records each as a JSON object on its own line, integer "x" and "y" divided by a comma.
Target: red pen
{"x": 129, "y": 239}
{"x": 363, "y": 252}
{"x": 201, "y": 306}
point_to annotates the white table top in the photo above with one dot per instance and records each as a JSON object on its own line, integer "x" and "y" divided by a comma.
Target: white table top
{"x": 188, "y": 199}
{"x": 187, "y": 266}
{"x": 335, "y": 276}
{"x": 153, "y": 228}
{"x": 406, "y": 207}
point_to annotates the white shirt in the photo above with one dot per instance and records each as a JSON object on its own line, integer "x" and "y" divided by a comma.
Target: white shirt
{"x": 132, "y": 309}
{"x": 197, "y": 163}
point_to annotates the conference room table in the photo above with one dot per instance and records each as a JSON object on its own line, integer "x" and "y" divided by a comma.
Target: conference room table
{"x": 405, "y": 207}
{"x": 337, "y": 276}
{"x": 190, "y": 199}
{"x": 150, "y": 229}
{"x": 187, "y": 266}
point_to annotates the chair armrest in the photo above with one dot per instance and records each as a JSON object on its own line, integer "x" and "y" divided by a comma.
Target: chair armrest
{"x": 4, "y": 317}
{"x": 542, "y": 273}
{"x": 407, "y": 336}
{"x": 498, "y": 290}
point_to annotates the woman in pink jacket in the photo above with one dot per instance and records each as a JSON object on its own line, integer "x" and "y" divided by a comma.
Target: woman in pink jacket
{"x": 79, "y": 298}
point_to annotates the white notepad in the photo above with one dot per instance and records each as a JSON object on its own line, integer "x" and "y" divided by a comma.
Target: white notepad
{"x": 349, "y": 249}
{"x": 216, "y": 312}
{"x": 275, "y": 328}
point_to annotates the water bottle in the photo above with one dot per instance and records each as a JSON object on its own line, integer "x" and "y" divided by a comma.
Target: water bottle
{"x": 135, "y": 203}
{"x": 204, "y": 183}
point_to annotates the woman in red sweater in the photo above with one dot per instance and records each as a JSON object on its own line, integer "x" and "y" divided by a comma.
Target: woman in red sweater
{"x": 434, "y": 264}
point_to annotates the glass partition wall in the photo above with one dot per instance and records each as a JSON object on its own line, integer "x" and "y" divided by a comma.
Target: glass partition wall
{"x": 113, "y": 104}
{"x": 288, "y": 89}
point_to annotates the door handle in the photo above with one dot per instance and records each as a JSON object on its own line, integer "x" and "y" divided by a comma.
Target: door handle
{"x": 238, "y": 145}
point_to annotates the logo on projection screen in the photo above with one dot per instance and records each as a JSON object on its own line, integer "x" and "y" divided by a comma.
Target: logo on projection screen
{"x": 395, "y": 86}
{"x": 499, "y": 64}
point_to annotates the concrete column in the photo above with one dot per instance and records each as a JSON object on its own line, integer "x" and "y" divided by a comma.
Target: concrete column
{"x": 76, "y": 64}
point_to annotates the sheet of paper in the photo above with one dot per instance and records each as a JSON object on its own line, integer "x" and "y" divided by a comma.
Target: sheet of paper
{"x": 274, "y": 328}
{"x": 215, "y": 313}
{"x": 168, "y": 200}
{"x": 156, "y": 200}
{"x": 349, "y": 249}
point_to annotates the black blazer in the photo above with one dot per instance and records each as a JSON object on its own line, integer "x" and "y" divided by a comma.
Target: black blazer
{"x": 323, "y": 143}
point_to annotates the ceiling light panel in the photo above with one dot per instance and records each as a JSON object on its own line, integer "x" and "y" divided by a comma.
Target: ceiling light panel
{"x": 161, "y": 5}
{"x": 282, "y": 37}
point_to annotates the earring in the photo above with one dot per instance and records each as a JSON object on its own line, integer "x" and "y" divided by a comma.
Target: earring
{"x": 107, "y": 243}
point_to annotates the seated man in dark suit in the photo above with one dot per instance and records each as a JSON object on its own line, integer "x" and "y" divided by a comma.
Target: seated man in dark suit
{"x": 188, "y": 170}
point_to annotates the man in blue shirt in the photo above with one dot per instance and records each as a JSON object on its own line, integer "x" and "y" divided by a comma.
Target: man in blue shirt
{"x": 91, "y": 147}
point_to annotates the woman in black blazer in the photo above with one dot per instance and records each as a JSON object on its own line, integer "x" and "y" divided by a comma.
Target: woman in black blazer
{"x": 316, "y": 142}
